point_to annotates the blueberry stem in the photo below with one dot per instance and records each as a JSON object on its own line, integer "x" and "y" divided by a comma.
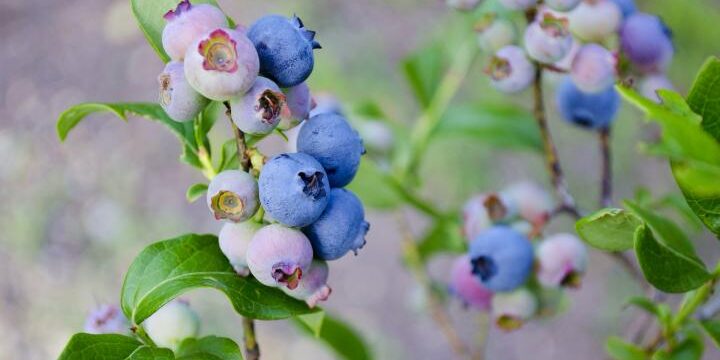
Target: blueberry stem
{"x": 139, "y": 331}
{"x": 606, "y": 182}
{"x": 252, "y": 350}
{"x": 239, "y": 140}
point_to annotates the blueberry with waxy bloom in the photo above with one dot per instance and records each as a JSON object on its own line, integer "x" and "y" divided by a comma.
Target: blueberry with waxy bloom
{"x": 466, "y": 286}
{"x": 234, "y": 239}
{"x": 313, "y": 286}
{"x": 548, "y": 40}
{"x": 494, "y": 32}
{"x": 647, "y": 42}
{"x": 593, "y": 69}
{"x": 340, "y": 229}
{"x": 532, "y": 201}
{"x": 279, "y": 256}
{"x": 258, "y": 111}
{"x": 107, "y": 319}
{"x": 221, "y": 64}
{"x": 591, "y": 111}
{"x": 233, "y": 195}
{"x": 171, "y": 324}
{"x": 299, "y": 103}
{"x": 510, "y": 70}
{"x": 595, "y": 20}
{"x": 179, "y": 100}
{"x": 562, "y": 261}
{"x": 511, "y": 310}
{"x": 502, "y": 258}
{"x": 186, "y": 23}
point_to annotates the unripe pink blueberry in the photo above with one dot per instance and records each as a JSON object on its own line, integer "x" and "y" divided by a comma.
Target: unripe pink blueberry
{"x": 562, "y": 260}
{"x": 186, "y": 23}
{"x": 299, "y": 103}
{"x": 512, "y": 309}
{"x": 463, "y": 5}
{"x": 548, "y": 40}
{"x": 562, "y": 5}
{"x": 593, "y": 69}
{"x": 650, "y": 84}
{"x": 518, "y": 4}
{"x": 171, "y": 324}
{"x": 494, "y": 32}
{"x": 233, "y": 195}
{"x": 595, "y": 20}
{"x": 279, "y": 256}
{"x": 510, "y": 70}
{"x": 313, "y": 287}
{"x": 532, "y": 201}
{"x": 234, "y": 239}
{"x": 179, "y": 100}
{"x": 481, "y": 211}
{"x": 467, "y": 287}
{"x": 221, "y": 64}
{"x": 106, "y": 319}
{"x": 259, "y": 110}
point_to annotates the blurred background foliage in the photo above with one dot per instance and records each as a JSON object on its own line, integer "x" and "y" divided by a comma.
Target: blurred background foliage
{"x": 74, "y": 215}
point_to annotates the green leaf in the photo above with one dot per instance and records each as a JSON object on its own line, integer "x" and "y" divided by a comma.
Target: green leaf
{"x": 423, "y": 71}
{"x": 152, "y": 353}
{"x": 209, "y": 347}
{"x": 443, "y": 237}
{"x": 619, "y": 349}
{"x": 149, "y": 15}
{"x": 699, "y": 187}
{"x": 704, "y": 95}
{"x": 370, "y": 185}
{"x": 609, "y": 229}
{"x": 169, "y": 268}
{"x": 670, "y": 234}
{"x": 111, "y": 347}
{"x": 644, "y": 303}
{"x": 712, "y": 328}
{"x": 494, "y": 124}
{"x": 313, "y": 321}
{"x": 196, "y": 191}
{"x": 228, "y": 156}
{"x": 665, "y": 268}
{"x": 689, "y": 349}
{"x": 340, "y": 337}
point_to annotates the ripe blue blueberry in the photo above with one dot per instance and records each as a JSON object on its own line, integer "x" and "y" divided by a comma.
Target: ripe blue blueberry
{"x": 279, "y": 256}
{"x": 234, "y": 240}
{"x": 221, "y": 64}
{"x": 107, "y": 319}
{"x": 179, "y": 100}
{"x": 510, "y": 70}
{"x": 285, "y": 48}
{"x": 299, "y": 103}
{"x": 548, "y": 40}
{"x": 186, "y": 23}
{"x": 593, "y": 68}
{"x": 501, "y": 258}
{"x": 313, "y": 287}
{"x": 627, "y": 7}
{"x": 294, "y": 189}
{"x": 494, "y": 32}
{"x": 594, "y": 111}
{"x": 595, "y": 20}
{"x": 341, "y": 227}
{"x": 258, "y": 111}
{"x": 330, "y": 139}
{"x": 467, "y": 287}
{"x": 646, "y": 41}
{"x": 233, "y": 195}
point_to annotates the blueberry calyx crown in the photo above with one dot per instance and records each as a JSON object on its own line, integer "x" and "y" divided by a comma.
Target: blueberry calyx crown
{"x": 555, "y": 26}
{"x": 183, "y": 7}
{"x": 226, "y": 205}
{"x": 219, "y": 52}
{"x": 498, "y": 68}
{"x": 495, "y": 208}
{"x": 287, "y": 275}
{"x": 309, "y": 35}
{"x": 165, "y": 83}
{"x": 313, "y": 185}
{"x": 484, "y": 267}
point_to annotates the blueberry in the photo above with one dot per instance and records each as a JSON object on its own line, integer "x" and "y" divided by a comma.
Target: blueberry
{"x": 647, "y": 42}
{"x": 285, "y": 48}
{"x": 531, "y": 200}
{"x": 627, "y": 7}
{"x": 234, "y": 240}
{"x": 494, "y": 32}
{"x": 510, "y": 70}
{"x": 467, "y": 287}
{"x": 594, "y": 111}
{"x": 313, "y": 286}
{"x": 299, "y": 103}
{"x": 548, "y": 40}
{"x": 258, "y": 111}
{"x": 107, "y": 319}
{"x": 595, "y": 20}
{"x": 562, "y": 5}
{"x": 481, "y": 211}
{"x": 501, "y": 258}
{"x": 294, "y": 189}
{"x": 325, "y": 103}
{"x": 179, "y": 100}
{"x": 562, "y": 260}
{"x": 341, "y": 227}
{"x": 593, "y": 68}
{"x": 330, "y": 139}
{"x": 650, "y": 85}
{"x": 279, "y": 256}
{"x": 171, "y": 324}
{"x": 518, "y": 4}
{"x": 511, "y": 310}
{"x": 233, "y": 195}
{"x": 221, "y": 64}
{"x": 186, "y": 23}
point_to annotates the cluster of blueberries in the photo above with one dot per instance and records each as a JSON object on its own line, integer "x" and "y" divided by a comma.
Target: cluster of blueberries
{"x": 568, "y": 36}
{"x": 504, "y": 273}
{"x": 285, "y": 225}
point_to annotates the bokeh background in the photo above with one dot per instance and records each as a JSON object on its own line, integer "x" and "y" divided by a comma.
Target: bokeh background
{"x": 73, "y": 215}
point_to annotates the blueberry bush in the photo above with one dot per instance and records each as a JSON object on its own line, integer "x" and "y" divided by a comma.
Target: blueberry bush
{"x": 286, "y": 217}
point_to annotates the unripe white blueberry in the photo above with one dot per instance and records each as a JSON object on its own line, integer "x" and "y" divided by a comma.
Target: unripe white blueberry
{"x": 463, "y": 5}
{"x": 313, "y": 287}
{"x": 279, "y": 256}
{"x": 548, "y": 40}
{"x": 595, "y": 20}
{"x": 234, "y": 239}
{"x": 650, "y": 84}
{"x": 512, "y": 309}
{"x": 233, "y": 195}
{"x": 377, "y": 136}
{"x": 481, "y": 211}
{"x": 186, "y": 23}
{"x": 533, "y": 202}
{"x": 566, "y": 62}
{"x": 494, "y": 32}
{"x": 259, "y": 110}
{"x": 518, "y": 4}
{"x": 106, "y": 319}
{"x": 299, "y": 103}
{"x": 179, "y": 100}
{"x": 222, "y": 64}
{"x": 171, "y": 324}
{"x": 562, "y": 260}
{"x": 562, "y": 5}
{"x": 510, "y": 70}
{"x": 593, "y": 69}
